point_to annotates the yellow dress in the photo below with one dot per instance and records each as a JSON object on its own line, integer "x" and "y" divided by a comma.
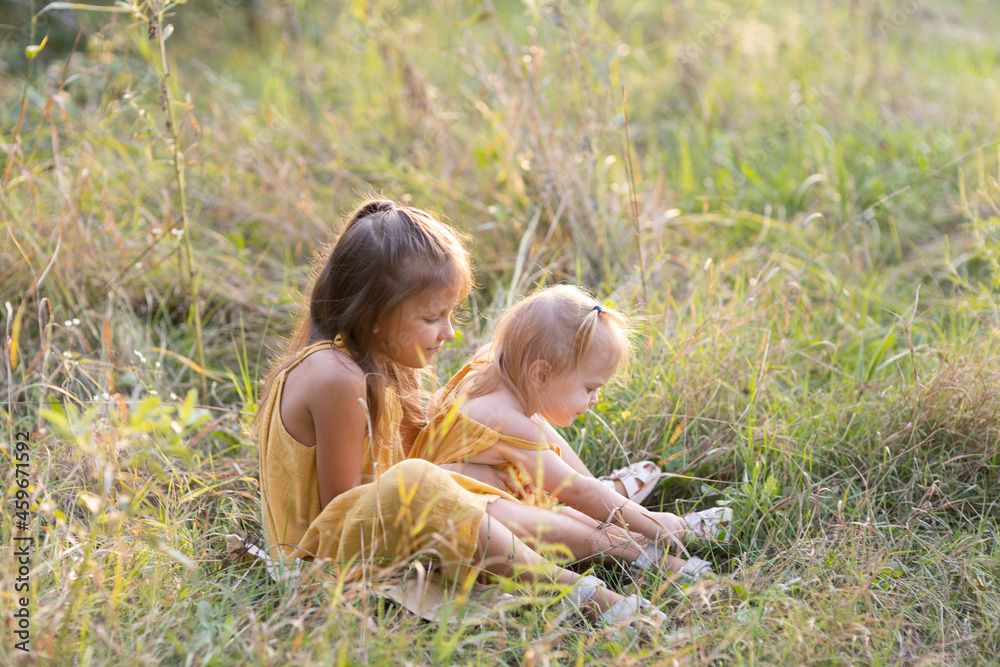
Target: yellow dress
{"x": 451, "y": 437}
{"x": 402, "y": 508}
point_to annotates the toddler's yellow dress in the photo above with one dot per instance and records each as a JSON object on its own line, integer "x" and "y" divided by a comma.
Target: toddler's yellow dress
{"x": 451, "y": 437}
{"x": 402, "y": 508}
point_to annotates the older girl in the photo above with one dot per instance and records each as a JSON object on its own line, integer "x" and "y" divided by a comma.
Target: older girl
{"x": 340, "y": 412}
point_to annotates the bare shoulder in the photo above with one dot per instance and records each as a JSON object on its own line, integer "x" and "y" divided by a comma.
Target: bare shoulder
{"x": 322, "y": 381}
{"x": 524, "y": 428}
{"x": 503, "y": 414}
{"x": 327, "y": 370}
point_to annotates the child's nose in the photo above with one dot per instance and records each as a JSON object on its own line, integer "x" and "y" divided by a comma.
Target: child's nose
{"x": 448, "y": 332}
{"x": 593, "y": 400}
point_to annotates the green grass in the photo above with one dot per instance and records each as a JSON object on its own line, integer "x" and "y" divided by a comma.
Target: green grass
{"x": 818, "y": 196}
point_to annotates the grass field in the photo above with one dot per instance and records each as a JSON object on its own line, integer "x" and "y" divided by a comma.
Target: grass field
{"x": 798, "y": 200}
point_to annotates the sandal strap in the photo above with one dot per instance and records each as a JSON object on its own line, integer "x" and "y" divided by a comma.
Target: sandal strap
{"x": 631, "y": 608}
{"x": 651, "y": 556}
{"x": 693, "y": 570}
{"x": 637, "y": 479}
{"x": 582, "y": 591}
{"x": 631, "y": 486}
{"x": 646, "y": 471}
{"x": 712, "y": 524}
{"x": 622, "y": 610}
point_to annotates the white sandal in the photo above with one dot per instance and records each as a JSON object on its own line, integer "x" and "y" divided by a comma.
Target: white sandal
{"x": 638, "y": 479}
{"x": 652, "y": 554}
{"x": 582, "y": 592}
{"x": 711, "y": 524}
{"x": 629, "y": 609}
{"x": 692, "y": 571}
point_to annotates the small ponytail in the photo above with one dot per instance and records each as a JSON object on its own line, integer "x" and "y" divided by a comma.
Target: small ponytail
{"x": 585, "y": 334}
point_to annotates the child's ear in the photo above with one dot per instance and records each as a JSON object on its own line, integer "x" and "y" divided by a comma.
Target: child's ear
{"x": 366, "y": 315}
{"x": 539, "y": 371}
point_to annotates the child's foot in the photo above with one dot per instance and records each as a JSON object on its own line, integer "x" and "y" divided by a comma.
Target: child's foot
{"x": 632, "y": 609}
{"x": 711, "y": 524}
{"x": 684, "y": 572}
{"x": 606, "y": 606}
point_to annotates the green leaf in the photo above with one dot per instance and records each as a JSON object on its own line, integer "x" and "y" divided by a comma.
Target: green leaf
{"x": 874, "y": 365}
{"x": 31, "y": 51}
{"x": 739, "y": 590}
{"x": 118, "y": 8}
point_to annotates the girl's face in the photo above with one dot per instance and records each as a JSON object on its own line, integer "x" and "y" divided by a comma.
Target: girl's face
{"x": 413, "y": 333}
{"x": 565, "y": 396}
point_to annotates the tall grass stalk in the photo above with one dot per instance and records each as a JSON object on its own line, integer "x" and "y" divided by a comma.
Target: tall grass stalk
{"x": 162, "y": 32}
{"x": 633, "y": 202}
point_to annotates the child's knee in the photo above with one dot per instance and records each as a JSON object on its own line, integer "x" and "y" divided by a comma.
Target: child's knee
{"x": 411, "y": 470}
{"x": 417, "y": 481}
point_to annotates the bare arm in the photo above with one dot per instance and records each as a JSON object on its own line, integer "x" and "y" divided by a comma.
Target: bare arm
{"x": 331, "y": 393}
{"x": 568, "y": 454}
{"x": 486, "y": 474}
{"x": 583, "y": 493}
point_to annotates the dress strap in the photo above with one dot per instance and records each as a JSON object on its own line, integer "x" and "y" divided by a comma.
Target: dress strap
{"x": 455, "y": 393}
{"x": 309, "y": 349}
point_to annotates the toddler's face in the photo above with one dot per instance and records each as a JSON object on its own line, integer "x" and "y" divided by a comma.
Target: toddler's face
{"x": 565, "y": 396}
{"x": 413, "y": 333}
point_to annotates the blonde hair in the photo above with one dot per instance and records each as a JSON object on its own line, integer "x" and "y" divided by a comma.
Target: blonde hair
{"x": 560, "y": 325}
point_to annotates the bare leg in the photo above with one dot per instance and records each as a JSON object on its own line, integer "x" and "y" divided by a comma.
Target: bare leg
{"x": 541, "y": 528}
{"x": 583, "y": 536}
{"x": 617, "y": 534}
{"x": 500, "y": 552}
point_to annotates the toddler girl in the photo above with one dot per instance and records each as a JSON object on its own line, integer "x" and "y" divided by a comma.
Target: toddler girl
{"x": 550, "y": 355}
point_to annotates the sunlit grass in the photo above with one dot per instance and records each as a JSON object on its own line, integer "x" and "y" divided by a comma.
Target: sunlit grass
{"x": 817, "y": 190}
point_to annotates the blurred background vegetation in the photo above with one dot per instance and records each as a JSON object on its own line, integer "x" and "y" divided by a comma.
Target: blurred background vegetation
{"x": 799, "y": 199}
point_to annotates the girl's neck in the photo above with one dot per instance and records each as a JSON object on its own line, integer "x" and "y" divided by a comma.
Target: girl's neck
{"x": 527, "y": 409}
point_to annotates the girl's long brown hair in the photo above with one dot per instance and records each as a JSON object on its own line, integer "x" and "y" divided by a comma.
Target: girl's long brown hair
{"x": 385, "y": 255}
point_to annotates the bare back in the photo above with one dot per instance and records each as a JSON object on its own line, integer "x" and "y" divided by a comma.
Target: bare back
{"x": 321, "y": 407}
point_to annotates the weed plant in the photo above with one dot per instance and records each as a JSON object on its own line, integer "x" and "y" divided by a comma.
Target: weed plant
{"x": 814, "y": 188}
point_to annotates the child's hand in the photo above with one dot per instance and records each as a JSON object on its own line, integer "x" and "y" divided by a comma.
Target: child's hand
{"x": 672, "y": 524}
{"x": 486, "y": 474}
